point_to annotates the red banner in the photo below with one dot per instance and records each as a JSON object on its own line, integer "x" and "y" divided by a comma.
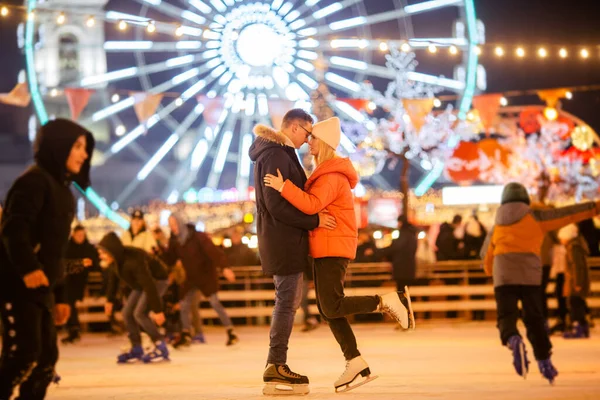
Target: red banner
{"x": 78, "y": 99}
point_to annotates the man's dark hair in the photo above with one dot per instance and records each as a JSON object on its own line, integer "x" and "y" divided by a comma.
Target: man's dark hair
{"x": 294, "y": 115}
{"x": 78, "y": 227}
{"x": 456, "y": 220}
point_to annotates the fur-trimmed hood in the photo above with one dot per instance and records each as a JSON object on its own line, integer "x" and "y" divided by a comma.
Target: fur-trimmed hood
{"x": 266, "y": 137}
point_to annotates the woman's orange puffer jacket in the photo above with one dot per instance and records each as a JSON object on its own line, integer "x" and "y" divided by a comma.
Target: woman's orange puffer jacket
{"x": 329, "y": 187}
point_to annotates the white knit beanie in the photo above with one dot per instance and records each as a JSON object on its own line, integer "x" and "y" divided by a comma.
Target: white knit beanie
{"x": 329, "y": 131}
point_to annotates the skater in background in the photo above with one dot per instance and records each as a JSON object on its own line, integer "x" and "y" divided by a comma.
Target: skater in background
{"x": 138, "y": 235}
{"x": 34, "y": 232}
{"x": 240, "y": 255}
{"x": 577, "y": 282}
{"x": 202, "y": 262}
{"x": 330, "y": 188}
{"x": 475, "y": 234}
{"x": 449, "y": 245}
{"x": 146, "y": 276}
{"x": 81, "y": 256}
{"x": 283, "y": 240}
{"x": 511, "y": 254}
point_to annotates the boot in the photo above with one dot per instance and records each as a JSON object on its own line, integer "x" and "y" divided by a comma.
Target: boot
{"x": 579, "y": 331}
{"x": 160, "y": 353}
{"x": 72, "y": 337}
{"x": 281, "y": 375}
{"x": 520, "y": 361}
{"x": 547, "y": 370}
{"x": 231, "y": 337}
{"x": 398, "y": 305}
{"x": 310, "y": 325}
{"x": 354, "y": 368}
{"x": 199, "y": 338}
{"x": 184, "y": 339}
{"x": 135, "y": 354}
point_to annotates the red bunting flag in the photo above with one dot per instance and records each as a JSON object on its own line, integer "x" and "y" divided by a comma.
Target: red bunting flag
{"x": 18, "y": 97}
{"x": 78, "y": 99}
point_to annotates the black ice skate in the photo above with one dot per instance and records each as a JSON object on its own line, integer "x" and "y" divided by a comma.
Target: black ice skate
{"x": 184, "y": 339}
{"x": 281, "y": 381}
{"x": 355, "y": 368}
{"x": 231, "y": 338}
{"x": 72, "y": 337}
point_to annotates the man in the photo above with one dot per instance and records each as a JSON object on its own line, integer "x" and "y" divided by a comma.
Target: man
{"x": 448, "y": 245}
{"x": 80, "y": 256}
{"x": 35, "y": 229}
{"x": 283, "y": 239}
{"x": 147, "y": 276}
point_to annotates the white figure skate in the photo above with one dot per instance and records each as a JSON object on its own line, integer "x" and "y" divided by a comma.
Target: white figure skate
{"x": 354, "y": 368}
{"x": 281, "y": 381}
{"x": 399, "y": 306}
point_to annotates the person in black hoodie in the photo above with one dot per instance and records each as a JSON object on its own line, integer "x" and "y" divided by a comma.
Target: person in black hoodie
{"x": 147, "y": 277}
{"x": 81, "y": 255}
{"x": 35, "y": 229}
{"x": 283, "y": 235}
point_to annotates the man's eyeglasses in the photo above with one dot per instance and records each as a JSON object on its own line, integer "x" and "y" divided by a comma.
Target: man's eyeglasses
{"x": 308, "y": 133}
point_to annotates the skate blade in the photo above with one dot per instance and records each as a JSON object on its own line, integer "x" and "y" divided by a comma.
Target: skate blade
{"x": 411, "y": 315}
{"x": 524, "y": 366}
{"x": 285, "y": 389}
{"x": 353, "y": 385}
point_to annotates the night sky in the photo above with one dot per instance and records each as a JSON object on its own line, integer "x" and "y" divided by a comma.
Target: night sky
{"x": 508, "y": 22}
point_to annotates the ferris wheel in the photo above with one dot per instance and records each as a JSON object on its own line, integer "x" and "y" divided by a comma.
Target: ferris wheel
{"x": 240, "y": 57}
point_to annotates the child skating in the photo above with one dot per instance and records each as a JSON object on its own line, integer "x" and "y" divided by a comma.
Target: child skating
{"x": 147, "y": 277}
{"x": 511, "y": 254}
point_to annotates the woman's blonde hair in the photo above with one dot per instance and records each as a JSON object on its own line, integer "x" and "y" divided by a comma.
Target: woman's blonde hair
{"x": 326, "y": 152}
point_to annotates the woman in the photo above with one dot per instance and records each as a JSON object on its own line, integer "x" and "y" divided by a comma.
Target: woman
{"x": 137, "y": 235}
{"x": 202, "y": 261}
{"x": 330, "y": 188}
{"x": 81, "y": 255}
{"x": 35, "y": 229}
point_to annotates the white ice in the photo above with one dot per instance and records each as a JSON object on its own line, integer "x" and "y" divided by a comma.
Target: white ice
{"x": 440, "y": 360}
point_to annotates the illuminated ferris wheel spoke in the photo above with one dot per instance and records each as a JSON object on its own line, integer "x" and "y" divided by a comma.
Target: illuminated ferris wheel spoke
{"x": 174, "y": 11}
{"x": 352, "y": 44}
{"x": 243, "y": 159}
{"x": 348, "y": 64}
{"x": 161, "y": 153}
{"x": 339, "y": 26}
{"x": 331, "y": 9}
{"x": 151, "y": 46}
{"x": 128, "y": 73}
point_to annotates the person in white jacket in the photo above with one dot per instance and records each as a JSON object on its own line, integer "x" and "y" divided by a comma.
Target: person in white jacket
{"x": 137, "y": 235}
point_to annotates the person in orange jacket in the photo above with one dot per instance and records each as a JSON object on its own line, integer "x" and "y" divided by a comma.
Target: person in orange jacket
{"x": 330, "y": 188}
{"x": 512, "y": 255}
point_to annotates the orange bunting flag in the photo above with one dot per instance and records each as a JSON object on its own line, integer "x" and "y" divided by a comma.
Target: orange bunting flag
{"x": 213, "y": 107}
{"x": 18, "y": 97}
{"x": 78, "y": 99}
{"x": 487, "y": 105}
{"x": 359, "y": 104}
{"x": 551, "y": 96}
{"x": 277, "y": 110}
{"x": 145, "y": 105}
{"x": 417, "y": 110}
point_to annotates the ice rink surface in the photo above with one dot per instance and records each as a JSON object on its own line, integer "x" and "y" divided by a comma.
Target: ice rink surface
{"x": 439, "y": 360}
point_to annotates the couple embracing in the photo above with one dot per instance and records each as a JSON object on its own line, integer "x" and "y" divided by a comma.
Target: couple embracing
{"x": 297, "y": 217}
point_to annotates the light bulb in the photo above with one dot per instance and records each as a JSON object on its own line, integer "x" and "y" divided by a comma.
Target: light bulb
{"x": 453, "y": 50}
{"x": 520, "y": 52}
{"x": 383, "y": 46}
{"x": 179, "y": 31}
{"x": 585, "y": 53}
{"x": 122, "y": 25}
{"x": 569, "y": 95}
{"x": 437, "y": 103}
{"x": 61, "y": 19}
{"x": 563, "y": 53}
{"x": 432, "y": 49}
{"x": 499, "y": 51}
{"x": 4, "y": 11}
{"x": 503, "y": 101}
{"x": 542, "y": 52}
{"x": 91, "y": 21}
{"x": 405, "y": 47}
{"x": 151, "y": 28}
